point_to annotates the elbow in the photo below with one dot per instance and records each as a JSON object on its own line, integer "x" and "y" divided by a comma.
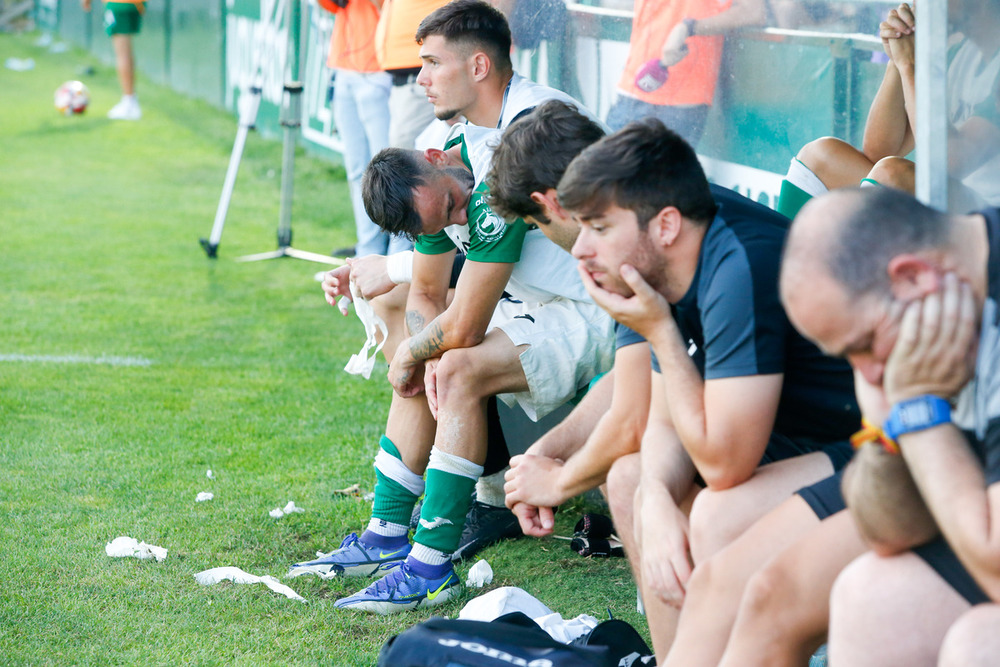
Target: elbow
{"x": 720, "y": 478}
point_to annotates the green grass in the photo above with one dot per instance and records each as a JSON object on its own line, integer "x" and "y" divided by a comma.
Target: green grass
{"x": 99, "y": 223}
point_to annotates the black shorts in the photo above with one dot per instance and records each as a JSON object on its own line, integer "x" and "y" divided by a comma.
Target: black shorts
{"x": 943, "y": 560}
{"x": 781, "y": 447}
{"x": 825, "y": 499}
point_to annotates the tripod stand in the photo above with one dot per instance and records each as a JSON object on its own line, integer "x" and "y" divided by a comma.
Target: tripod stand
{"x": 291, "y": 121}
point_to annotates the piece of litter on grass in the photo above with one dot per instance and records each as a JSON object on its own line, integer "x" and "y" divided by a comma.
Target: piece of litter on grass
{"x": 129, "y": 547}
{"x": 352, "y": 490}
{"x": 480, "y": 574}
{"x": 238, "y": 576}
{"x": 203, "y": 496}
{"x": 210, "y": 474}
{"x": 289, "y": 508}
{"x": 19, "y": 64}
{"x": 368, "y": 496}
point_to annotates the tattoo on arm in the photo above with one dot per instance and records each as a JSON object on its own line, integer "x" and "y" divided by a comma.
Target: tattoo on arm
{"x": 414, "y": 322}
{"x": 429, "y": 343}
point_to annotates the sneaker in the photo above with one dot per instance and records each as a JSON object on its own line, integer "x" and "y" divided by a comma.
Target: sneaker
{"x": 403, "y": 589}
{"x": 353, "y": 558}
{"x": 126, "y": 109}
{"x": 485, "y": 525}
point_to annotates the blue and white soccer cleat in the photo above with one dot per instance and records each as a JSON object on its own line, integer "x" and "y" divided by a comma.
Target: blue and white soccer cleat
{"x": 403, "y": 589}
{"x": 353, "y": 558}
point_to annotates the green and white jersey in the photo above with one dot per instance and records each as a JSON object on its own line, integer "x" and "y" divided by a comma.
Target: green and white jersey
{"x": 542, "y": 270}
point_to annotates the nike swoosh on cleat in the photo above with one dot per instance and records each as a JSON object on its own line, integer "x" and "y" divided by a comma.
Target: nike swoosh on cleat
{"x": 433, "y": 594}
{"x": 382, "y": 554}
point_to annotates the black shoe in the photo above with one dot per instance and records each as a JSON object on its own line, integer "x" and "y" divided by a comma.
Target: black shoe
{"x": 343, "y": 252}
{"x": 485, "y": 525}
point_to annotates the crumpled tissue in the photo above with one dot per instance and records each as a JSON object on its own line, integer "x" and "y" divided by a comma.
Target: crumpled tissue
{"x": 363, "y": 362}
{"x": 238, "y": 576}
{"x": 125, "y": 547}
{"x": 289, "y": 508}
{"x": 203, "y": 496}
{"x": 480, "y": 574}
{"x": 509, "y": 599}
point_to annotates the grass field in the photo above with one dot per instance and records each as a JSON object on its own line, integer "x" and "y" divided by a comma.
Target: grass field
{"x": 130, "y": 364}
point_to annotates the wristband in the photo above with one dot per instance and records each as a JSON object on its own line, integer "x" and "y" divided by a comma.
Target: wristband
{"x": 871, "y": 433}
{"x": 399, "y": 267}
{"x": 917, "y": 414}
{"x": 689, "y": 23}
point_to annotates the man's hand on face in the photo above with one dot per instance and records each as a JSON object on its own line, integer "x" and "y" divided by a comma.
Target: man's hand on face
{"x": 936, "y": 348}
{"x": 645, "y": 312}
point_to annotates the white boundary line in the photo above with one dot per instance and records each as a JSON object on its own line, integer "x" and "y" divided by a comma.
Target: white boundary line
{"x": 76, "y": 359}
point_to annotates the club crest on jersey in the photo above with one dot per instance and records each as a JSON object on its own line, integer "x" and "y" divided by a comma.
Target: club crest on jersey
{"x": 490, "y": 225}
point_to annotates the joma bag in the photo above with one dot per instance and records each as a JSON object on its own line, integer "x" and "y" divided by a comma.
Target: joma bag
{"x": 513, "y": 640}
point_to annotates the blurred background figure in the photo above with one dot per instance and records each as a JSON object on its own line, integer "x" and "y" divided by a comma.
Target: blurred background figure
{"x": 675, "y": 53}
{"x": 360, "y": 106}
{"x": 121, "y": 21}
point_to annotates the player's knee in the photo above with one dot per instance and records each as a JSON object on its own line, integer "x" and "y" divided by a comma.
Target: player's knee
{"x": 893, "y": 172}
{"x": 771, "y": 591}
{"x": 710, "y": 526}
{"x": 623, "y": 478}
{"x": 459, "y": 376}
{"x": 854, "y": 595}
{"x": 819, "y": 154}
{"x": 972, "y": 640}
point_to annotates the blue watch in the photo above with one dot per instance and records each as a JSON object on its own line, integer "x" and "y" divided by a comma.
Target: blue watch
{"x": 917, "y": 414}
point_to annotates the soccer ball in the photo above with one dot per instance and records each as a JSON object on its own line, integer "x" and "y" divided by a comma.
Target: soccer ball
{"x": 72, "y": 97}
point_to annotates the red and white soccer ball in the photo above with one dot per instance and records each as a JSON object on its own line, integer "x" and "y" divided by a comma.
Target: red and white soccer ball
{"x": 72, "y": 98}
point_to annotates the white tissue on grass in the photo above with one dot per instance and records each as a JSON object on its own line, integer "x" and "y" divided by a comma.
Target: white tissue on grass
{"x": 238, "y": 576}
{"x": 128, "y": 547}
{"x": 289, "y": 508}
{"x": 210, "y": 474}
{"x": 203, "y": 496}
{"x": 507, "y": 599}
{"x": 480, "y": 574}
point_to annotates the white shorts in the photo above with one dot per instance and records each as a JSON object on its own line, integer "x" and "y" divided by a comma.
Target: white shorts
{"x": 569, "y": 343}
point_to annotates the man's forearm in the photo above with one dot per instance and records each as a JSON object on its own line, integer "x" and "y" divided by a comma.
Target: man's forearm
{"x": 570, "y": 435}
{"x": 611, "y": 439}
{"x": 684, "y": 389}
{"x": 953, "y": 485}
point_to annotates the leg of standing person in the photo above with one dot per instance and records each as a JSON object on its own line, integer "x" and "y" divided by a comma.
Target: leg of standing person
{"x": 409, "y": 113}
{"x": 121, "y": 21}
{"x": 361, "y": 112}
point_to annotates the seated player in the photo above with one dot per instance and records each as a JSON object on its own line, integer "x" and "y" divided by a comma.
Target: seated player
{"x": 695, "y": 272}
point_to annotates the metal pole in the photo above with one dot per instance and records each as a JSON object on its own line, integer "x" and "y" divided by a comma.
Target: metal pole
{"x": 931, "y": 133}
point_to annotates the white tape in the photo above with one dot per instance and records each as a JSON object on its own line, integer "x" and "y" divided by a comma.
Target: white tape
{"x": 238, "y": 576}
{"x": 363, "y": 362}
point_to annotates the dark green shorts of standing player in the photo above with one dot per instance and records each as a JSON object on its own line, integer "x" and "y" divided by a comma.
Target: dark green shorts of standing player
{"x": 123, "y": 18}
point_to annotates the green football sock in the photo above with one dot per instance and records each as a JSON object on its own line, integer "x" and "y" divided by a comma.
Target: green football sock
{"x": 397, "y": 487}
{"x": 442, "y": 516}
{"x": 791, "y": 199}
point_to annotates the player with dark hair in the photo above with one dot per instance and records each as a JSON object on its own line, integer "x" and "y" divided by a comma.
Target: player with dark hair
{"x": 742, "y": 400}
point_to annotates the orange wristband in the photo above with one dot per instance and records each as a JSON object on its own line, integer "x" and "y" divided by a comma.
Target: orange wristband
{"x": 871, "y": 433}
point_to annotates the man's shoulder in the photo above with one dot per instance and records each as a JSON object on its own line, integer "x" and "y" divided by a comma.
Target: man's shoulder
{"x": 525, "y": 94}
